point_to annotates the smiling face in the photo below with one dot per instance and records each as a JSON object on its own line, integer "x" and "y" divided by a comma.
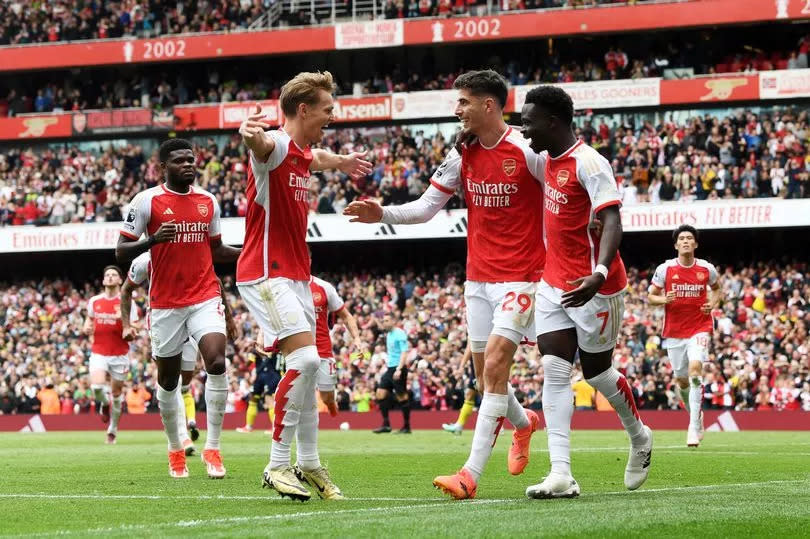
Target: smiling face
{"x": 472, "y": 110}
{"x": 317, "y": 116}
{"x": 179, "y": 167}
{"x": 537, "y": 127}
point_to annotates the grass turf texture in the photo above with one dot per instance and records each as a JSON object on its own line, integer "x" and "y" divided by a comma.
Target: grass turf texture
{"x": 735, "y": 484}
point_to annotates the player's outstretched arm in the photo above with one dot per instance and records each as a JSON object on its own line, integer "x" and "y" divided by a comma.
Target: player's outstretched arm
{"x": 254, "y": 137}
{"x": 128, "y": 332}
{"x": 352, "y": 164}
{"x": 421, "y": 210}
{"x": 588, "y": 286}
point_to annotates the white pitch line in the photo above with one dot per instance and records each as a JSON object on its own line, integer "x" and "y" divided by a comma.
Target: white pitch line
{"x": 264, "y": 518}
{"x": 434, "y": 504}
{"x": 220, "y": 497}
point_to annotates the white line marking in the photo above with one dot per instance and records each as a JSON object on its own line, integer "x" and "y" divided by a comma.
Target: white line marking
{"x": 432, "y": 504}
{"x": 220, "y": 497}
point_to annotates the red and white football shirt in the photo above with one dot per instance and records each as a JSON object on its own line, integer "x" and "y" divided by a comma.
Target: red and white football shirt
{"x": 683, "y": 318}
{"x": 182, "y": 271}
{"x": 578, "y": 184}
{"x": 105, "y": 312}
{"x": 326, "y": 300}
{"x": 276, "y": 220}
{"x": 503, "y": 190}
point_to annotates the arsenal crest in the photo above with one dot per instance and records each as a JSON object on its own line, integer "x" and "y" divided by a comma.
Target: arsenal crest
{"x": 701, "y": 276}
{"x": 203, "y": 209}
{"x": 562, "y": 177}
{"x": 316, "y": 297}
{"x": 509, "y": 166}
{"x": 294, "y": 161}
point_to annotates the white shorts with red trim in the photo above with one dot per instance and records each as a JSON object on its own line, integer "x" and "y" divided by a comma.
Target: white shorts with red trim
{"x": 681, "y": 352}
{"x": 282, "y": 307}
{"x": 327, "y": 374}
{"x": 171, "y": 328}
{"x": 597, "y": 323}
{"x": 116, "y": 366}
{"x": 500, "y": 306}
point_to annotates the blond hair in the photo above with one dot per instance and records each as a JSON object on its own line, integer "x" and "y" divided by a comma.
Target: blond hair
{"x": 303, "y": 88}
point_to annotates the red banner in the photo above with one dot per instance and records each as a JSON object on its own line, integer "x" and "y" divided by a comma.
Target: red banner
{"x": 417, "y": 32}
{"x": 169, "y": 49}
{"x": 44, "y": 126}
{"x": 710, "y": 90}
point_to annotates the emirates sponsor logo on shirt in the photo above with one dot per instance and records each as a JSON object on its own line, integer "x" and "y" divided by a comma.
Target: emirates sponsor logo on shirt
{"x": 509, "y": 166}
{"x": 491, "y": 195}
{"x": 686, "y": 290}
{"x": 562, "y": 177}
{"x": 193, "y": 232}
{"x": 301, "y": 186}
{"x": 554, "y": 199}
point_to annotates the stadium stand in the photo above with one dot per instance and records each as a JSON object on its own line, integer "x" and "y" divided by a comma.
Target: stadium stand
{"x": 760, "y": 358}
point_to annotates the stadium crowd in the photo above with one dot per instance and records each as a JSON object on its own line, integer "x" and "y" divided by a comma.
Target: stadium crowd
{"x": 740, "y": 156}
{"x": 572, "y": 62}
{"x": 760, "y": 358}
{"x": 44, "y": 21}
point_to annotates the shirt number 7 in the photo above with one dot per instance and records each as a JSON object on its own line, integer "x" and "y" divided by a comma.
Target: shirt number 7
{"x": 604, "y": 316}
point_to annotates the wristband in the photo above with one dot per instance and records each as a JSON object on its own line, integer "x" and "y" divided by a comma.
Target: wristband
{"x": 601, "y": 269}
{"x": 150, "y": 241}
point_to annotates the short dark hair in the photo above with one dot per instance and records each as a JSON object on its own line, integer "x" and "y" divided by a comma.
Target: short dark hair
{"x": 554, "y": 99}
{"x": 684, "y": 228}
{"x": 171, "y": 145}
{"x": 485, "y": 82}
{"x": 114, "y": 267}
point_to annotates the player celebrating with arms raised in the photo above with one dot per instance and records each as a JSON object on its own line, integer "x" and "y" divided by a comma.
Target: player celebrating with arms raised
{"x": 580, "y": 302}
{"x": 500, "y": 176}
{"x": 182, "y": 227}
{"x": 274, "y": 269}
{"x": 689, "y": 289}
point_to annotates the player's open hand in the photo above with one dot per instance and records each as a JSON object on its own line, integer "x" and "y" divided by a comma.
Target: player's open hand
{"x": 670, "y": 297}
{"x": 128, "y": 334}
{"x": 586, "y": 288}
{"x": 354, "y": 165}
{"x": 364, "y": 211}
{"x": 253, "y": 127}
{"x": 464, "y": 138}
{"x": 166, "y": 232}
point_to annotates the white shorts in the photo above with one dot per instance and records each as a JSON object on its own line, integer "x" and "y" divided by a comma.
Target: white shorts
{"x": 327, "y": 374}
{"x": 282, "y": 307}
{"x": 170, "y": 328}
{"x": 597, "y": 322}
{"x": 188, "y": 359}
{"x": 116, "y": 366}
{"x": 500, "y": 306}
{"x": 683, "y": 351}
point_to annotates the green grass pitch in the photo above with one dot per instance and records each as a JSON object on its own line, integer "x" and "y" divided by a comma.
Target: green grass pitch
{"x": 745, "y": 484}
